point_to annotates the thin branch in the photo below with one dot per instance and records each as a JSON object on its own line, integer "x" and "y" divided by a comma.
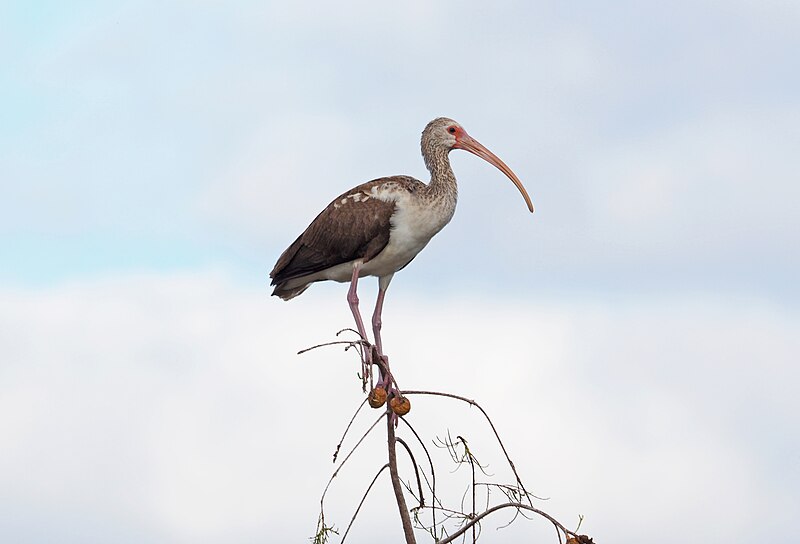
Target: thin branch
{"x": 352, "y": 419}
{"x": 350, "y": 344}
{"x": 416, "y": 469}
{"x": 513, "y": 494}
{"x": 361, "y": 345}
{"x": 432, "y": 484}
{"x": 336, "y": 472}
{"x": 353, "y": 519}
{"x": 491, "y": 424}
{"x": 482, "y": 515}
{"x": 450, "y": 447}
{"x": 467, "y": 521}
{"x": 362, "y": 342}
{"x": 408, "y": 528}
{"x": 513, "y": 489}
{"x": 472, "y": 470}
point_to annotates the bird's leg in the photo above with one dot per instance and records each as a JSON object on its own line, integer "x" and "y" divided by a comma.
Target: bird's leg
{"x": 352, "y": 300}
{"x": 387, "y": 381}
{"x": 376, "y": 320}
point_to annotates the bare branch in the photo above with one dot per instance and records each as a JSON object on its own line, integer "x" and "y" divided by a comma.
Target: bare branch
{"x": 485, "y": 513}
{"x": 514, "y": 490}
{"x": 468, "y": 519}
{"x": 363, "y": 347}
{"x": 472, "y": 470}
{"x": 352, "y": 419}
{"x": 408, "y": 528}
{"x": 358, "y": 508}
{"x": 491, "y": 424}
{"x": 336, "y": 472}
{"x": 432, "y": 484}
{"x": 350, "y": 344}
{"x": 416, "y": 469}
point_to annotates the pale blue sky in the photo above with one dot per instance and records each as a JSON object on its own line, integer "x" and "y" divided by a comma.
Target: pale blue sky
{"x": 658, "y": 140}
{"x": 156, "y": 158}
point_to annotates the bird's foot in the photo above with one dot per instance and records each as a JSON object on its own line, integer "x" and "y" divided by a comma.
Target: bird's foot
{"x": 381, "y": 360}
{"x": 387, "y": 389}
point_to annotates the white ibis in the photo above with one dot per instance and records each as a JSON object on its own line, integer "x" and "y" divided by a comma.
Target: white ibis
{"x": 377, "y": 228}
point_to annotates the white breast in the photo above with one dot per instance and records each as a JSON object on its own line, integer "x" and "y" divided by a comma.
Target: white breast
{"x": 414, "y": 223}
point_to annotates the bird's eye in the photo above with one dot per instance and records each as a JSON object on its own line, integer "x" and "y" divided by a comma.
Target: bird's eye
{"x": 451, "y": 130}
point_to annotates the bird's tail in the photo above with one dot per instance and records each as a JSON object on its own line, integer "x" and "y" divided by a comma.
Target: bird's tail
{"x": 287, "y": 291}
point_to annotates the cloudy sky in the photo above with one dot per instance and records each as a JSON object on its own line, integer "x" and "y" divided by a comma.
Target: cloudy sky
{"x": 635, "y": 340}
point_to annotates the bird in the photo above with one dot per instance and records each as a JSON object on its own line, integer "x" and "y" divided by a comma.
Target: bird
{"x": 379, "y": 227}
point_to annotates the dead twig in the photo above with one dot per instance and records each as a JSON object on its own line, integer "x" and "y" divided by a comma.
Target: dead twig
{"x": 468, "y": 518}
{"x": 432, "y": 483}
{"x": 491, "y": 424}
{"x": 521, "y": 506}
{"x": 416, "y": 469}
{"x": 408, "y": 528}
{"x": 339, "y": 445}
{"x": 358, "y": 508}
{"x": 336, "y": 472}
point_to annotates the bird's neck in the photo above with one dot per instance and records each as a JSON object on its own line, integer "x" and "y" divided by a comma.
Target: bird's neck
{"x": 443, "y": 181}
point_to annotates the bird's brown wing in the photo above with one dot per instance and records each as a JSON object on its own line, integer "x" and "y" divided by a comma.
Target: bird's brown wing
{"x": 353, "y": 226}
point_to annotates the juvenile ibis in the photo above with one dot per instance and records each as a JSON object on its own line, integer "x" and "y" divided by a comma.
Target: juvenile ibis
{"x": 378, "y": 227}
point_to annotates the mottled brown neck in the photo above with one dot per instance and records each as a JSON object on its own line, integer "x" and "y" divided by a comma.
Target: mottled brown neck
{"x": 443, "y": 181}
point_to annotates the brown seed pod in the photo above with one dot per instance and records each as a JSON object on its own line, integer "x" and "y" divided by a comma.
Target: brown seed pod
{"x": 377, "y": 397}
{"x": 400, "y": 405}
{"x": 580, "y": 539}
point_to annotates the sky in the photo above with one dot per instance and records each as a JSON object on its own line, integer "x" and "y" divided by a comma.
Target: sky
{"x": 634, "y": 340}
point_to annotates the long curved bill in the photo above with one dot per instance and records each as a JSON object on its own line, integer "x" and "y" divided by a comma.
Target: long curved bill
{"x": 468, "y": 143}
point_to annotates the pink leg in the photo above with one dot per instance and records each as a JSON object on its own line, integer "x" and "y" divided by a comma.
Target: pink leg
{"x": 387, "y": 379}
{"x": 383, "y": 284}
{"x": 352, "y": 300}
{"x": 376, "y": 321}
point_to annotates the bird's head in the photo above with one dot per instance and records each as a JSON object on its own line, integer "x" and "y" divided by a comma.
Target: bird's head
{"x": 444, "y": 134}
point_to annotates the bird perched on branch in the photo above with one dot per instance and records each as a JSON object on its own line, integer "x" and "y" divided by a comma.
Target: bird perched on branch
{"x": 378, "y": 227}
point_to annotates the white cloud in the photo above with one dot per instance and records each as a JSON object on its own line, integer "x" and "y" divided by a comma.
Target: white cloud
{"x": 714, "y": 183}
{"x": 175, "y": 407}
{"x": 293, "y": 161}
